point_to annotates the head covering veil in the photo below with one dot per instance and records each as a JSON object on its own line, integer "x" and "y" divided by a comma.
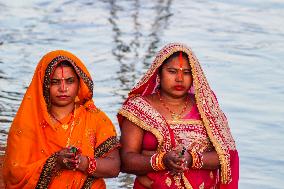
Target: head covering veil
{"x": 33, "y": 138}
{"x": 214, "y": 119}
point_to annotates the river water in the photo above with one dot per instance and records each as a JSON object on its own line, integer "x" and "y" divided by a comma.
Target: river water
{"x": 240, "y": 45}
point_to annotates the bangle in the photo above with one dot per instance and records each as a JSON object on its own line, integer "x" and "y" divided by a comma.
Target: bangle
{"x": 92, "y": 165}
{"x": 157, "y": 162}
{"x": 197, "y": 160}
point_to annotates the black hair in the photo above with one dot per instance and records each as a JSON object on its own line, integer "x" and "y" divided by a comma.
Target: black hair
{"x": 174, "y": 55}
{"x": 66, "y": 63}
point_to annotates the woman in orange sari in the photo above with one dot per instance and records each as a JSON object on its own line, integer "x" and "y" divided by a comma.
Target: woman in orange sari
{"x": 173, "y": 132}
{"x": 59, "y": 138}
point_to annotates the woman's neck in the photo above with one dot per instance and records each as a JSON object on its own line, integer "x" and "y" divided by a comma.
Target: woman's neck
{"x": 171, "y": 100}
{"x": 61, "y": 112}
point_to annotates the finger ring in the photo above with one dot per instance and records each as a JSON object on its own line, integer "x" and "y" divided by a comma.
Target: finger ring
{"x": 65, "y": 161}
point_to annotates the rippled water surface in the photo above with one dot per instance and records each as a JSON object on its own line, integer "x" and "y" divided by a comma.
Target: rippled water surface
{"x": 239, "y": 44}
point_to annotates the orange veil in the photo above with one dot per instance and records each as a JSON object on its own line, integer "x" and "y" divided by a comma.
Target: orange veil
{"x": 33, "y": 139}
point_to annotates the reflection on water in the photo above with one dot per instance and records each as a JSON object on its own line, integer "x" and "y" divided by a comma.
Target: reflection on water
{"x": 129, "y": 46}
{"x": 239, "y": 44}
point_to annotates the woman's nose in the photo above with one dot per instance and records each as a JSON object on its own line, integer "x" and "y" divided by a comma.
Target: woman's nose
{"x": 63, "y": 86}
{"x": 179, "y": 75}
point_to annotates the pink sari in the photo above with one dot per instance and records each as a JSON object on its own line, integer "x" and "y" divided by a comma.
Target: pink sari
{"x": 205, "y": 132}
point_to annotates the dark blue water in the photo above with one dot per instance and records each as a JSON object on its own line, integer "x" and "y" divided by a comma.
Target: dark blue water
{"x": 240, "y": 45}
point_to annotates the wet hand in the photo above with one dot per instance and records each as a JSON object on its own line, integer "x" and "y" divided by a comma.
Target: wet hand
{"x": 83, "y": 163}
{"x": 67, "y": 159}
{"x": 173, "y": 162}
{"x": 186, "y": 161}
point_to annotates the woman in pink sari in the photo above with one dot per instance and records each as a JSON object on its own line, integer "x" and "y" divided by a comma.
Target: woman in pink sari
{"x": 173, "y": 132}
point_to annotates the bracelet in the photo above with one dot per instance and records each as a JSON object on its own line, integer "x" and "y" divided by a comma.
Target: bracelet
{"x": 92, "y": 165}
{"x": 197, "y": 160}
{"x": 157, "y": 162}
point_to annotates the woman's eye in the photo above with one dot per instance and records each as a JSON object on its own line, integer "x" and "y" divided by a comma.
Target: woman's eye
{"x": 71, "y": 80}
{"x": 54, "y": 82}
{"x": 172, "y": 71}
{"x": 187, "y": 72}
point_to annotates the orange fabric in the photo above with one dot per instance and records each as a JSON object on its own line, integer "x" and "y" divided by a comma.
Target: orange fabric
{"x": 33, "y": 138}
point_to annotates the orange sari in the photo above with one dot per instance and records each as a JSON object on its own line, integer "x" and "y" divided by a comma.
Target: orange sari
{"x": 213, "y": 125}
{"x": 34, "y": 139}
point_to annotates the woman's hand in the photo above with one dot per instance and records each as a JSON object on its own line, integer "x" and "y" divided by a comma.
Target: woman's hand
{"x": 173, "y": 162}
{"x": 67, "y": 159}
{"x": 187, "y": 160}
{"x": 83, "y": 163}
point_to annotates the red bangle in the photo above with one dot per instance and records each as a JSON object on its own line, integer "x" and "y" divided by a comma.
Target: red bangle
{"x": 156, "y": 161}
{"x": 197, "y": 160}
{"x": 92, "y": 165}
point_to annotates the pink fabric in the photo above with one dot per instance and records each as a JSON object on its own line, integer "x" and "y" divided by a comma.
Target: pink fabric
{"x": 137, "y": 185}
{"x": 149, "y": 140}
{"x": 201, "y": 178}
{"x": 207, "y": 110}
{"x": 234, "y": 159}
{"x": 193, "y": 113}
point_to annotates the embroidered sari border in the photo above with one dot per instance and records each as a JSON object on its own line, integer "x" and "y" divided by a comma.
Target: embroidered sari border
{"x": 47, "y": 172}
{"x": 222, "y": 154}
{"x": 187, "y": 121}
{"x": 108, "y": 145}
{"x": 140, "y": 123}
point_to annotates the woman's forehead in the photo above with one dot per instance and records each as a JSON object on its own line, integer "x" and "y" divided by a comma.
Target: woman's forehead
{"x": 63, "y": 71}
{"x": 178, "y": 62}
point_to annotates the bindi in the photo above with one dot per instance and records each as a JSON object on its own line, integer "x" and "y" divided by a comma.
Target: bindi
{"x": 180, "y": 61}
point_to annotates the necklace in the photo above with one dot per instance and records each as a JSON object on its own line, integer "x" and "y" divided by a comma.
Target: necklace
{"x": 71, "y": 129}
{"x": 63, "y": 125}
{"x": 175, "y": 116}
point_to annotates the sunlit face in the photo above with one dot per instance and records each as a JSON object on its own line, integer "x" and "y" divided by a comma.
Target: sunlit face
{"x": 64, "y": 86}
{"x": 176, "y": 77}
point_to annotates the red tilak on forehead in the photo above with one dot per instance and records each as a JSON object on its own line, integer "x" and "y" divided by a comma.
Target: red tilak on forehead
{"x": 180, "y": 60}
{"x": 62, "y": 77}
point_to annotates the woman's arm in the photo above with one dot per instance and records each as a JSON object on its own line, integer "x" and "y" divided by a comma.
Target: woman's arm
{"x": 131, "y": 158}
{"x": 210, "y": 160}
{"x": 106, "y": 167}
{"x": 136, "y": 161}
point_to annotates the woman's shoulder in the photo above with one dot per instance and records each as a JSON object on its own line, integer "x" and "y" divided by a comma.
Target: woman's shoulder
{"x": 142, "y": 100}
{"x": 93, "y": 111}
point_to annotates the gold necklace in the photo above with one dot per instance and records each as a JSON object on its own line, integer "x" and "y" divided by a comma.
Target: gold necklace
{"x": 71, "y": 129}
{"x": 63, "y": 125}
{"x": 175, "y": 116}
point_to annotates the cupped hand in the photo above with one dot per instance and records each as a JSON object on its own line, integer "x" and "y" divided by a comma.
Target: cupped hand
{"x": 186, "y": 160}
{"x": 173, "y": 162}
{"x": 67, "y": 159}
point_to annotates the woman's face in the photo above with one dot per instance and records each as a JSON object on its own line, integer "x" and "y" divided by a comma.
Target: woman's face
{"x": 176, "y": 78}
{"x": 64, "y": 86}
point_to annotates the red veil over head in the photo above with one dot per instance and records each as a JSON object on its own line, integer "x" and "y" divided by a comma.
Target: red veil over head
{"x": 213, "y": 118}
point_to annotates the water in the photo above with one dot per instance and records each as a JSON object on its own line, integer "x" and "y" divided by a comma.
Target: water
{"x": 239, "y": 44}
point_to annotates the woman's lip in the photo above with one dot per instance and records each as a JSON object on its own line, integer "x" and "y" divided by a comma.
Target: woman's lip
{"x": 62, "y": 96}
{"x": 179, "y": 88}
